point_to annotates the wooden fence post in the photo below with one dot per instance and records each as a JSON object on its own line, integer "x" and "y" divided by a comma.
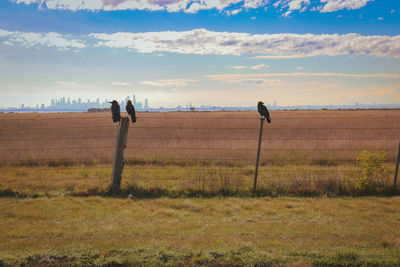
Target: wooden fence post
{"x": 397, "y": 169}
{"x": 119, "y": 155}
{"x": 258, "y": 155}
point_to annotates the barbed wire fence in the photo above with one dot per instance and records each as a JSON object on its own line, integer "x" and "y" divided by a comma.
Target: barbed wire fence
{"x": 29, "y": 150}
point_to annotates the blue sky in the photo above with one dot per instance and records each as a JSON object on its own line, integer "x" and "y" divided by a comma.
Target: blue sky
{"x": 217, "y": 52}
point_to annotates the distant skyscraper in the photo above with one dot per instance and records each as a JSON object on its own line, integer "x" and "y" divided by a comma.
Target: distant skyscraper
{"x": 126, "y": 99}
{"x": 146, "y": 104}
{"x": 134, "y": 99}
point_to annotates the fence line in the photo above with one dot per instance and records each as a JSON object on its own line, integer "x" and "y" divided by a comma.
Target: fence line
{"x": 205, "y": 128}
{"x": 196, "y": 138}
{"x": 166, "y": 160}
{"x": 263, "y": 181}
{"x": 202, "y": 148}
{"x": 223, "y": 169}
{"x": 204, "y": 118}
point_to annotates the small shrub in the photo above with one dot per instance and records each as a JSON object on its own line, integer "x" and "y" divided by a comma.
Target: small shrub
{"x": 373, "y": 172}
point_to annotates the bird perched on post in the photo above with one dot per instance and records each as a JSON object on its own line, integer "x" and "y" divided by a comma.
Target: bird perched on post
{"x": 115, "y": 111}
{"x": 131, "y": 110}
{"x": 262, "y": 109}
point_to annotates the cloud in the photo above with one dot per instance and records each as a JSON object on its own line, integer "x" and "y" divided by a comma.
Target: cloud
{"x": 4, "y": 33}
{"x": 335, "y": 5}
{"x": 204, "y": 42}
{"x": 169, "y": 83}
{"x": 234, "y": 12}
{"x": 51, "y": 39}
{"x": 239, "y": 67}
{"x": 259, "y": 66}
{"x": 190, "y": 6}
{"x": 298, "y": 4}
{"x": 121, "y": 83}
{"x": 255, "y": 67}
{"x": 299, "y": 68}
{"x": 243, "y": 77}
{"x": 281, "y": 57}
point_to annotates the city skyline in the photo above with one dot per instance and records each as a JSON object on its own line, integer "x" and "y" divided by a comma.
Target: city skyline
{"x": 68, "y": 104}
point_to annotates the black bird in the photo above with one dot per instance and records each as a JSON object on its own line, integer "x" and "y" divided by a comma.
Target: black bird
{"x": 131, "y": 110}
{"x": 115, "y": 111}
{"x": 262, "y": 109}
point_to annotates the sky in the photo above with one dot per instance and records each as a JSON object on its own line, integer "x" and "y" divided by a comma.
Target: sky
{"x": 207, "y": 52}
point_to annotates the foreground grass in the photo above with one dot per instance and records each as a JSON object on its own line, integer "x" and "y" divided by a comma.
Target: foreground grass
{"x": 217, "y": 231}
{"x": 144, "y": 181}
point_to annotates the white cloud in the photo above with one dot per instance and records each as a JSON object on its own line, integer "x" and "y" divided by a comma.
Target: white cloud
{"x": 204, "y": 42}
{"x": 335, "y": 5}
{"x": 298, "y": 4}
{"x": 287, "y": 13}
{"x": 4, "y": 33}
{"x": 281, "y": 57}
{"x": 51, "y": 39}
{"x": 234, "y": 12}
{"x": 299, "y": 68}
{"x": 232, "y": 78}
{"x": 169, "y": 83}
{"x": 191, "y": 6}
{"x": 259, "y": 66}
{"x": 121, "y": 83}
{"x": 380, "y": 18}
{"x": 239, "y": 67}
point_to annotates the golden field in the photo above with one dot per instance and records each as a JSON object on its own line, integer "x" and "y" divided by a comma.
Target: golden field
{"x": 200, "y": 151}
{"x": 182, "y": 170}
{"x": 97, "y": 231}
{"x": 295, "y": 136}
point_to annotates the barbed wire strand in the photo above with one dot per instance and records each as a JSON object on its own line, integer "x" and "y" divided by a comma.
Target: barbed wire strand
{"x": 44, "y": 118}
{"x": 199, "y": 148}
{"x": 170, "y": 160}
{"x": 196, "y": 138}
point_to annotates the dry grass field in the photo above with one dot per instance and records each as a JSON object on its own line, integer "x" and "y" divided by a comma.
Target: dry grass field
{"x": 296, "y": 136}
{"x": 310, "y": 151}
{"x": 55, "y": 209}
{"x": 99, "y": 231}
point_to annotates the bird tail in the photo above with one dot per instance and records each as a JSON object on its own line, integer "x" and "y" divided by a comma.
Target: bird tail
{"x": 268, "y": 119}
{"x": 133, "y": 119}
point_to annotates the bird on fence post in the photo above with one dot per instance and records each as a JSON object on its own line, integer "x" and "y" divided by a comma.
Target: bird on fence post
{"x": 262, "y": 109}
{"x": 115, "y": 111}
{"x": 131, "y": 110}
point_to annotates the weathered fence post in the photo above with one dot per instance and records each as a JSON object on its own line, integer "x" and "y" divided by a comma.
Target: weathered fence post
{"x": 397, "y": 169}
{"x": 119, "y": 155}
{"x": 258, "y": 155}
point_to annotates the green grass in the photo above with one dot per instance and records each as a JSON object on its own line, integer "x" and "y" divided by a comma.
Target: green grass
{"x": 194, "y": 231}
